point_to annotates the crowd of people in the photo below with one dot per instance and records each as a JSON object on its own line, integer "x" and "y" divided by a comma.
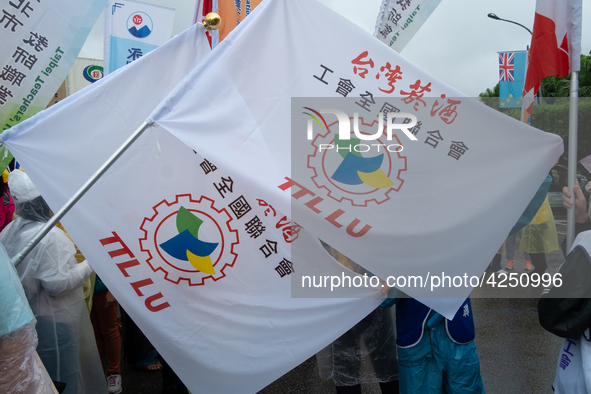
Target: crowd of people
{"x": 61, "y": 328}
{"x": 71, "y": 319}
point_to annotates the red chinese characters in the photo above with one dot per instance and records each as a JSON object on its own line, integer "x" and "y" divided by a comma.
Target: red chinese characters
{"x": 448, "y": 113}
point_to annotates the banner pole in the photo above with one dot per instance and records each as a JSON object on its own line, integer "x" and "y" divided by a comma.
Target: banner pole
{"x": 573, "y": 121}
{"x": 18, "y": 258}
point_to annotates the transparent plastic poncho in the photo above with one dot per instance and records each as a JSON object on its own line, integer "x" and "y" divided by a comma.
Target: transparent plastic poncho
{"x": 20, "y": 372}
{"x": 367, "y": 352}
{"x": 52, "y": 281}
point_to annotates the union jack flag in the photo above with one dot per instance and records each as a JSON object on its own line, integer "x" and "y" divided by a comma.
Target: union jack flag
{"x": 506, "y": 66}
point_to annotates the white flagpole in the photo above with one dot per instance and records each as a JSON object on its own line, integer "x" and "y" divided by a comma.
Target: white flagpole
{"x": 18, "y": 258}
{"x": 573, "y": 121}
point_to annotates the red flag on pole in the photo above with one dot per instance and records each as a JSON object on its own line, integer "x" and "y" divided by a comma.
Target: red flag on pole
{"x": 555, "y": 47}
{"x": 231, "y": 12}
{"x": 202, "y": 8}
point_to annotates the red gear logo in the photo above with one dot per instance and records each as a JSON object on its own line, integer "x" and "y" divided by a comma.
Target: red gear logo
{"x": 324, "y": 162}
{"x": 216, "y": 227}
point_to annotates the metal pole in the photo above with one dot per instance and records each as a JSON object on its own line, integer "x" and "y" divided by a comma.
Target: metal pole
{"x": 493, "y": 16}
{"x": 18, "y": 258}
{"x": 573, "y": 120}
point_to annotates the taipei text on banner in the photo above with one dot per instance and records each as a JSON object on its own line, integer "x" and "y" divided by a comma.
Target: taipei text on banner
{"x": 39, "y": 42}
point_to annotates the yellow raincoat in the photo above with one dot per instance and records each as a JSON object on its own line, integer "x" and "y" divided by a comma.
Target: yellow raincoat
{"x": 540, "y": 236}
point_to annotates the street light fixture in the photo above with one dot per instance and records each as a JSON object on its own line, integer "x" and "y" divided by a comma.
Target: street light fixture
{"x": 494, "y": 16}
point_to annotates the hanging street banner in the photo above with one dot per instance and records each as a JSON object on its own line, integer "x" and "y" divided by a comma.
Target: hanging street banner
{"x": 132, "y": 29}
{"x": 201, "y": 264}
{"x": 511, "y": 78}
{"x": 399, "y": 20}
{"x": 231, "y": 12}
{"x": 39, "y": 42}
{"x": 439, "y": 211}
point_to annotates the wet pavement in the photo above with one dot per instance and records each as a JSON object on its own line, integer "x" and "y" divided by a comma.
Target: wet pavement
{"x": 516, "y": 354}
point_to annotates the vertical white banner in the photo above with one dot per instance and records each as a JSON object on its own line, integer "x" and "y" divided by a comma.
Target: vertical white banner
{"x": 132, "y": 29}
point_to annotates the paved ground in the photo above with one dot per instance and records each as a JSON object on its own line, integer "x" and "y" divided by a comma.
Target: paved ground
{"x": 516, "y": 354}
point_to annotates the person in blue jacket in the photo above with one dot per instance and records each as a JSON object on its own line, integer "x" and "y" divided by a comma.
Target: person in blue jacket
{"x": 436, "y": 355}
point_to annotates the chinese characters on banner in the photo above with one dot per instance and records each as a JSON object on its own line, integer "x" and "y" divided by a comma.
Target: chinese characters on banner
{"x": 39, "y": 42}
{"x": 399, "y": 20}
{"x": 132, "y": 29}
{"x": 418, "y": 96}
{"x": 251, "y": 225}
{"x": 393, "y": 211}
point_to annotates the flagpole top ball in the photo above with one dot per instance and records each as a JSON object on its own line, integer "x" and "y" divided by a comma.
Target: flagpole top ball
{"x": 212, "y": 21}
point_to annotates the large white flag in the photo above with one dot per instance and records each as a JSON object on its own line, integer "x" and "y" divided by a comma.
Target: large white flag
{"x": 439, "y": 209}
{"x": 201, "y": 264}
{"x": 133, "y": 29}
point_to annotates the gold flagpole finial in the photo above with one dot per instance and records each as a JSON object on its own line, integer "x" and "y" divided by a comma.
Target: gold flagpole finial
{"x": 212, "y": 21}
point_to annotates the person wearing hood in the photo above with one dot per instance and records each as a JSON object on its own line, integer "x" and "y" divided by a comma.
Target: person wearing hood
{"x": 52, "y": 281}
{"x": 21, "y": 373}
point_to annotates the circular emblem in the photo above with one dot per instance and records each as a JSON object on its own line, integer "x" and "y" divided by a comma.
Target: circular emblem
{"x": 189, "y": 240}
{"x": 360, "y": 171}
{"x": 139, "y": 24}
{"x": 92, "y": 73}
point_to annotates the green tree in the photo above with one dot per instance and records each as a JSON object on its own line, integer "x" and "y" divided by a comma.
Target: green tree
{"x": 491, "y": 93}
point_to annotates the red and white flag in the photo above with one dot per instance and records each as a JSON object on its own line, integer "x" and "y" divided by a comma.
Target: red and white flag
{"x": 555, "y": 46}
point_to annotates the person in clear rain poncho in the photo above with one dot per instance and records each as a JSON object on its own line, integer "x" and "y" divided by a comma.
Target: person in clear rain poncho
{"x": 52, "y": 281}
{"x": 20, "y": 372}
{"x": 366, "y": 353}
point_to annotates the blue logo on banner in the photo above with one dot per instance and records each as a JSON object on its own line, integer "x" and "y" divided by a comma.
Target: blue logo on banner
{"x": 139, "y": 24}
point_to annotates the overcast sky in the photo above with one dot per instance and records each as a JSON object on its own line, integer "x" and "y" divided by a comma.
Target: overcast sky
{"x": 458, "y": 44}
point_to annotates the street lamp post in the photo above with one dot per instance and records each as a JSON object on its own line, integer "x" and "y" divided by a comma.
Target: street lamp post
{"x": 572, "y": 146}
{"x": 494, "y": 16}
